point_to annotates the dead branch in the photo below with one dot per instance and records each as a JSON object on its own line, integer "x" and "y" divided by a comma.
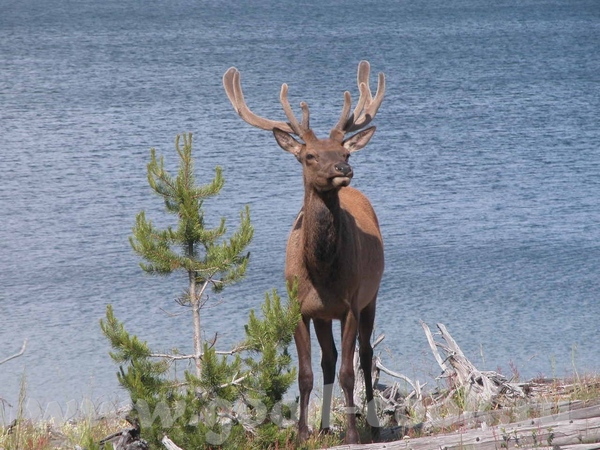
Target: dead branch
{"x": 389, "y": 398}
{"x": 172, "y": 357}
{"x": 16, "y": 355}
{"x": 128, "y": 439}
{"x": 416, "y": 386}
{"x": 169, "y": 444}
{"x": 476, "y": 388}
{"x": 441, "y": 362}
{"x": 176, "y": 357}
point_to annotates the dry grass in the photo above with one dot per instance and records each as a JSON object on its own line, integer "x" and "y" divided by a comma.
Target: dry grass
{"x": 86, "y": 432}
{"x": 46, "y": 435}
{"x": 544, "y": 397}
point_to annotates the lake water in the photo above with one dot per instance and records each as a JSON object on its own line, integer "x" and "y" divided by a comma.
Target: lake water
{"x": 484, "y": 171}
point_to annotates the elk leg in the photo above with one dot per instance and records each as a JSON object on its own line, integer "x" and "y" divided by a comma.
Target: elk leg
{"x": 323, "y": 330}
{"x": 365, "y": 329}
{"x": 305, "y": 373}
{"x": 349, "y": 329}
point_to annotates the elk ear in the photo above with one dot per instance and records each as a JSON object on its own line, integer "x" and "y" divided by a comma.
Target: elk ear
{"x": 359, "y": 140}
{"x": 287, "y": 142}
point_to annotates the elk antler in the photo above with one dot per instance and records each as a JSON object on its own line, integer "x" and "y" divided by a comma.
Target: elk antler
{"x": 366, "y": 108}
{"x": 233, "y": 88}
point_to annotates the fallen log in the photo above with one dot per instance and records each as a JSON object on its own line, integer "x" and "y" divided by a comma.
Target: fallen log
{"x": 579, "y": 429}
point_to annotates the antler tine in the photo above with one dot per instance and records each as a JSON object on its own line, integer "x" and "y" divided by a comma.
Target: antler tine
{"x": 362, "y": 80}
{"x": 305, "y": 115}
{"x": 299, "y": 129}
{"x": 371, "y": 105}
{"x": 365, "y": 109}
{"x": 228, "y": 84}
{"x": 233, "y": 89}
{"x": 365, "y": 94}
{"x": 337, "y": 132}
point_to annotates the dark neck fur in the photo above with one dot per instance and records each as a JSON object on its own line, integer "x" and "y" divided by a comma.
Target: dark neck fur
{"x": 321, "y": 228}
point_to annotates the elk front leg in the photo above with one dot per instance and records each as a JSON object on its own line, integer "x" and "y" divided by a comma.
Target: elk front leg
{"x": 365, "y": 329}
{"x": 349, "y": 330}
{"x": 305, "y": 373}
{"x": 323, "y": 330}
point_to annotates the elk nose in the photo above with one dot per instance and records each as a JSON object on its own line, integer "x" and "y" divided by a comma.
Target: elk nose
{"x": 344, "y": 168}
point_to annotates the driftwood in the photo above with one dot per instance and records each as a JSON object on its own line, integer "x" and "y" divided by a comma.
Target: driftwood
{"x": 569, "y": 430}
{"x": 389, "y": 399}
{"x": 473, "y": 402}
{"x": 169, "y": 444}
{"x": 128, "y": 439}
{"x": 477, "y": 389}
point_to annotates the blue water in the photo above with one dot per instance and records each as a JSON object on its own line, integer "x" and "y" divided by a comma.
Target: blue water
{"x": 484, "y": 171}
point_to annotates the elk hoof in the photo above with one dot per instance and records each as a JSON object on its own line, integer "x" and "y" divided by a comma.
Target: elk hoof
{"x": 375, "y": 433}
{"x": 351, "y": 437}
{"x": 303, "y": 433}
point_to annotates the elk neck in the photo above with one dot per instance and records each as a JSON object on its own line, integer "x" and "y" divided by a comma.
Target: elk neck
{"x": 322, "y": 230}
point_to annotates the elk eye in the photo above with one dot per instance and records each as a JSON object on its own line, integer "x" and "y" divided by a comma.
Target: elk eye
{"x": 310, "y": 157}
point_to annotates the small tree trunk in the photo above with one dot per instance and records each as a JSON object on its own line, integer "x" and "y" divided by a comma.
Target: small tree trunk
{"x": 195, "y": 302}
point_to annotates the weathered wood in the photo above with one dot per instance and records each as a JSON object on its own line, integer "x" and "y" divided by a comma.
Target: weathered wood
{"x": 128, "y": 439}
{"x": 169, "y": 444}
{"x": 389, "y": 398}
{"x": 560, "y": 430}
{"x": 558, "y": 425}
{"x": 478, "y": 388}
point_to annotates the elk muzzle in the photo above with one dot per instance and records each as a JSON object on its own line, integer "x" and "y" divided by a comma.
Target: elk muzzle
{"x": 343, "y": 175}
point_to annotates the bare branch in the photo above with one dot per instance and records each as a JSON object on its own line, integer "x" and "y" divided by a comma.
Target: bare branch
{"x": 172, "y": 357}
{"x": 378, "y": 341}
{"x": 175, "y": 357}
{"x": 235, "y": 381}
{"x": 169, "y": 444}
{"x": 433, "y": 346}
{"x": 384, "y": 369}
{"x": 16, "y": 355}
{"x": 170, "y": 314}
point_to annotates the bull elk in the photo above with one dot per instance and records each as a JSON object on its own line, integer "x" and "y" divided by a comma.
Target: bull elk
{"x": 335, "y": 249}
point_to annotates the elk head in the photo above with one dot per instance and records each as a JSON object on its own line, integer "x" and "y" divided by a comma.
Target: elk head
{"x": 324, "y": 161}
